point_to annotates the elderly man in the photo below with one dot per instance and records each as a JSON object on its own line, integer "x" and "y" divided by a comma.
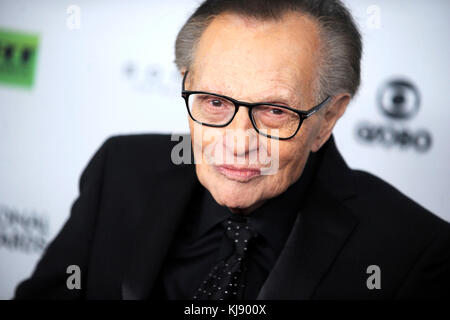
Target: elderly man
{"x": 269, "y": 210}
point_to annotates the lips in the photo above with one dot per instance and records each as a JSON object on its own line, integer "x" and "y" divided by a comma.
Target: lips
{"x": 237, "y": 173}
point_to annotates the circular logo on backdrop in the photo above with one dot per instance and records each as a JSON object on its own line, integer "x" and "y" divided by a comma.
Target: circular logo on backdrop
{"x": 399, "y": 99}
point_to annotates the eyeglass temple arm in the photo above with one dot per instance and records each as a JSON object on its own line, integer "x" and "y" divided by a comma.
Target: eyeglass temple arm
{"x": 184, "y": 80}
{"x": 313, "y": 110}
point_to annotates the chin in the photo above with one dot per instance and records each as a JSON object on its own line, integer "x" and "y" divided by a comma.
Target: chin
{"x": 235, "y": 195}
{"x": 233, "y": 202}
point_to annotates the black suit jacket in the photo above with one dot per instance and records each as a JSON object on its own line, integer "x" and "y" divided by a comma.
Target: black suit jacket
{"x": 132, "y": 199}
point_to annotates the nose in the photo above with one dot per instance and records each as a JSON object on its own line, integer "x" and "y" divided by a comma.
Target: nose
{"x": 241, "y": 137}
{"x": 241, "y": 120}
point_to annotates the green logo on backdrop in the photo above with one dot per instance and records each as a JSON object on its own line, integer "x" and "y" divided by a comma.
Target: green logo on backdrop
{"x": 18, "y": 52}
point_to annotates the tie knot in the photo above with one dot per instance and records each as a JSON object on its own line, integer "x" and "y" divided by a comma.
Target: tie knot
{"x": 240, "y": 232}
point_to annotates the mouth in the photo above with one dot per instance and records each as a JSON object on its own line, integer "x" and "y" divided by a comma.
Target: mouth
{"x": 241, "y": 174}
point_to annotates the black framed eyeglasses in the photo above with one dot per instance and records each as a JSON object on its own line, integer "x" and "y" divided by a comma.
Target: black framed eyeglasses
{"x": 270, "y": 120}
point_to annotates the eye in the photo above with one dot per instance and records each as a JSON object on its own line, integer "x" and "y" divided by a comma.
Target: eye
{"x": 216, "y": 103}
{"x": 276, "y": 111}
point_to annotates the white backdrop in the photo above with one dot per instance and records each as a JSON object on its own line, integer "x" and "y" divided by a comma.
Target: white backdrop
{"x": 113, "y": 73}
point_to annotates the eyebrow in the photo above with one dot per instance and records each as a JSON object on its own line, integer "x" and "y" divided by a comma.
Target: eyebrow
{"x": 283, "y": 98}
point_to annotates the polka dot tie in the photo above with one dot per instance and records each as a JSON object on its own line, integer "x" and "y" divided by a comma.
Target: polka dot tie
{"x": 223, "y": 281}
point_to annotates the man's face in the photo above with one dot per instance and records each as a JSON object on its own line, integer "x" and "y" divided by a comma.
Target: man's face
{"x": 254, "y": 61}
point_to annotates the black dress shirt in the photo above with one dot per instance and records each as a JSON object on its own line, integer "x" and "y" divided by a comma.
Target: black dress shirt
{"x": 201, "y": 242}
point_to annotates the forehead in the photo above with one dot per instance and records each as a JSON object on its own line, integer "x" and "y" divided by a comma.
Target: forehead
{"x": 236, "y": 52}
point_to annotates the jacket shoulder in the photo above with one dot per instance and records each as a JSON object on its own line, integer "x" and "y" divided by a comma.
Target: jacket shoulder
{"x": 152, "y": 151}
{"x": 140, "y": 142}
{"x": 380, "y": 202}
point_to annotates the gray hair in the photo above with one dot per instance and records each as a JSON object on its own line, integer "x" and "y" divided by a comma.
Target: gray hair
{"x": 341, "y": 45}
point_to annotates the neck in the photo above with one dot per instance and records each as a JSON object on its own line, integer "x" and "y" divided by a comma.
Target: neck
{"x": 248, "y": 210}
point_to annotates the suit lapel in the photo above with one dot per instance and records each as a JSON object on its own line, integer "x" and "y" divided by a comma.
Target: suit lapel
{"x": 319, "y": 233}
{"x": 157, "y": 228}
{"x": 317, "y": 236}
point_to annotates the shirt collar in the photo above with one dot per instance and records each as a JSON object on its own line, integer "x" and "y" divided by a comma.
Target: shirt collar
{"x": 209, "y": 212}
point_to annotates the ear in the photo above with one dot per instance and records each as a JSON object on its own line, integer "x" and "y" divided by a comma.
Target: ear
{"x": 328, "y": 119}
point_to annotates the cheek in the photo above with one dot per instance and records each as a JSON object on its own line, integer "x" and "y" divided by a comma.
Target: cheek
{"x": 199, "y": 142}
{"x": 291, "y": 151}
{"x": 293, "y": 156}
{"x": 203, "y": 140}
